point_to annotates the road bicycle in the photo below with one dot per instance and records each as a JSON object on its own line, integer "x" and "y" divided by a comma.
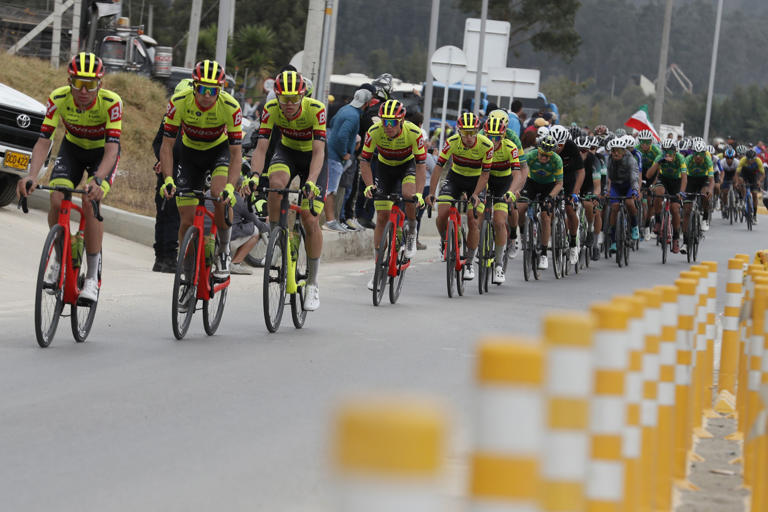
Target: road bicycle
{"x": 63, "y": 285}
{"x": 532, "y": 241}
{"x": 560, "y": 247}
{"x": 194, "y": 280}
{"x": 622, "y": 234}
{"x": 729, "y": 208}
{"x": 748, "y": 206}
{"x": 285, "y": 263}
{"x": 391, "y": 262}
{"x": 664, "y": 237}
{"x": 693, "y": 233}
{"x": 585, "y": 248}
{"x": 486, "y": 250}
{"x": 454, "y": 251}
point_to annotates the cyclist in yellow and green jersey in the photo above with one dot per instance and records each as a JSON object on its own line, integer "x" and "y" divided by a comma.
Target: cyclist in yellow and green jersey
{"x": 668, "y": 175}
{"x": 505, "y": 177}
{"x": 750, "y": 171}
{"x": 211, "y": 123}
{"x": 401, "y": 168}
{"x": 472, "y": 155}
{"x": 544, "y": 183}
{"x": 300, "y": 152}
{"x": 649, "y": 152}
{"x": 92, "y": 118}
{"x": 701, "y": 180}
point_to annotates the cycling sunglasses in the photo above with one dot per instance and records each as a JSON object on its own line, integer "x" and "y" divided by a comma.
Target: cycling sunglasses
{"x": 669, "y": 152}
{"x": 286, "y": 99}
{"x": 468, "y": 132}
{"x": 494, "y": 138}
{"x": 390, "y": 123}
{"x": 701, "y": 153}
{"x": 211, "y": 90}
{"x": 89, "y": 84}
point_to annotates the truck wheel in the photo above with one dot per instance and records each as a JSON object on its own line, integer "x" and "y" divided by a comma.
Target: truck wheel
{"x": 7, "y": 189}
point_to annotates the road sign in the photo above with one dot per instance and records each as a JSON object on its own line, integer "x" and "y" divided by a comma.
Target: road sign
{"x": 448, "y": 64}
{"x": 513, "y": 82}
{"x": 495, "y": 47}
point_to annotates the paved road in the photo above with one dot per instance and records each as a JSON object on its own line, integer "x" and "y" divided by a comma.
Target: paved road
{"x": 133, "y": 420}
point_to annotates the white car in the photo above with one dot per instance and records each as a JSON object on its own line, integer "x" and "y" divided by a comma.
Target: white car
{"x": 20, "y": 119}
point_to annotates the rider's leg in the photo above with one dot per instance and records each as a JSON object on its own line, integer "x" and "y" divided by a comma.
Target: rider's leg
{"x": 278, "y": 178}
{"x": 500, "y": 230}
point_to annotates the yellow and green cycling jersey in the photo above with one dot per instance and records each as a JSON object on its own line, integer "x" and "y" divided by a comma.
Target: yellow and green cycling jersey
{"x": 749, "y": 169}
{"x": 544, "y": 172}
{"x": 203, "y": 129}
{"x": 648, "y": 157}
{"x": 88, "y": 128}
{"x": 408, "y": 145}
{"x": 505, "y": 159}
{"x": 701, "y": 169}
{"x": 297, "y": 133}
{"x": 673, "y": 169}
{"x": 468, "y": 162}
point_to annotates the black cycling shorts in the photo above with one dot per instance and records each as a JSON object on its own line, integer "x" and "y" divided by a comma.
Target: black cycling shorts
{"x": 696, "y": 183}
{"x": 195, "y": 167}
{"x": 671, "y": 186}
{"x": 73, "y": 161}
{"x": 296, "y": 163}
{"x": 455, "y": 184}
{"x": 749, "y": 179}
{"x": 389, "y": 178}
{"x": 535, "y": 191}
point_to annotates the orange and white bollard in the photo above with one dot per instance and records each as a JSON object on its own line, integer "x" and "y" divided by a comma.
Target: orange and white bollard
{"x": 731, "y": 344}
{"x": 758, "y": 437}
{"x": 649, "y": 413}
{"x": 698, "y": 377}
{"x": 633, "y": 394}
{"x": 686, "y": 301}
{"x": 754, "y": 377}
{"x": 509, "y": 427}
{"x": 709, "y": 358}
{"x": 666, "y": 396}
{"x": 568, "y": 339}
{"x": 389, "y": 455}
{"x": 605, "y": 478}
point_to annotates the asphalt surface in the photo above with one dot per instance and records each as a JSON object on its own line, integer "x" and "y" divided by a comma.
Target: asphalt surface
{"x": 134, "y": 420}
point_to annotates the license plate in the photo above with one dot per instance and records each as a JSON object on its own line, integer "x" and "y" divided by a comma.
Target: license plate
{"x": 16, "y": 160}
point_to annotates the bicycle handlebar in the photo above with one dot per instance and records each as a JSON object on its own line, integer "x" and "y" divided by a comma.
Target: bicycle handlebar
{"x": 285, "y": 191}
{"x": 200, "y": 196}
{"x": 67, "y": 193}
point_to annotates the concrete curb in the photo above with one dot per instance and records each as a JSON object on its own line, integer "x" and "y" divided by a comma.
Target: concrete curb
{"x": 141, "y": 229}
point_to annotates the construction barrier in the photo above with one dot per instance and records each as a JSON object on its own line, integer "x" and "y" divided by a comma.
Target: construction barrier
{"x": 603, "y": 414}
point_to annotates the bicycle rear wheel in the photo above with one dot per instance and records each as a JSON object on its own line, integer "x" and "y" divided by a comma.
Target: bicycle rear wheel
{"x": 696, "y": 239}
{"x": 49, "y": 298}
{"x": 461, "y": 253}
{"x": 83, "y": 313}
{"x": 298, "y": 313}
{"x": 450, "y": 258}
{"x": 275, "y": 272}
{"x": 536, "y": 248}
{"x": 663, "y": 236}
{"x": 396, "y": 283}
{"x": 731, "y": 204}
{"x": 213, "y": 306}
{"x": 184, "y": 299}
{"x": 557, "y": 249}
{"x": 528, "y": 242}
{"x": 485, "y": 252}
{"x": 628, "y": 242}
{"x": 383, "y": 253}
{"x": 748, "y": 211}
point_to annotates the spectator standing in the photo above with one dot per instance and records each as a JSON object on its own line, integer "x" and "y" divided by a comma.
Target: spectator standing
{"x": 246, "y": 229}
{"x": 249, "y": 108}
{"x": 343, "y": 130}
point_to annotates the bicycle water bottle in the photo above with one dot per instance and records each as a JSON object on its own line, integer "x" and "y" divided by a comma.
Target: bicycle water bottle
{"x": 399, "y": 237}
{"x": 77, "y": 249}
{"x": 210, "y": 247}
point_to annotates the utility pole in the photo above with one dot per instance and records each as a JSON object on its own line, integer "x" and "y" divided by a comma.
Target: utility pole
{"x": 58, "y": 10}
{"x": 708, "y": 115}
{"x": 313, "y": 40}
{"x": 194, "y": 31}
{"x": 150, "y": 20}
{"x": 661, "y": 78}
{"x": 222, "y": 34}
{"x": 431, "y": 47}
{"x": 331, "y": 53}
{"x": 319, "y": 89}
{"x": 480, "y": 51}
{"x": 74, "y": 44}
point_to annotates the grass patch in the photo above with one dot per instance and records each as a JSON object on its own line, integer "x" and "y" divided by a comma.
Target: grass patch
{"x": 144, "y": 103}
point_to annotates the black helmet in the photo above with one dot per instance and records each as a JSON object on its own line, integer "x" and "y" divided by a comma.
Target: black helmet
{"x": 751, "y": 154}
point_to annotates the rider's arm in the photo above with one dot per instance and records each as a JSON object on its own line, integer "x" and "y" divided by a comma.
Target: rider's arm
{"x": 435, "y": 179}
{"x": 108, "y": 161}
{"x": 683, "y": 181}
{"x": 557, "y": 189}
{"x": 652, "y": 170}
{"x": 235, "y": 163}
{"x": 421, "y": 176}
{"x": 365, "y": 172}
{"x": 259, "y": 155}
{"x": 316, "y": 164}
{"x": 579, "y": 181}
{"x": 482, "y": 182}
{"x": 166, "y": 156}
{"x": 39, "y": 152}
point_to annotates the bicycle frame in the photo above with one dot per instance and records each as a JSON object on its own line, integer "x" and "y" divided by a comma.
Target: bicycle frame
{"x": 397, "y": 218}
{"x": 205, "y": 292}
{"x": 291, "y": 286}
{"x": 454, "y": 218}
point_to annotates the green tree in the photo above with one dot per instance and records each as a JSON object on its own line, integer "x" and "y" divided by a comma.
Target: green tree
{"x": 254, "y": 47}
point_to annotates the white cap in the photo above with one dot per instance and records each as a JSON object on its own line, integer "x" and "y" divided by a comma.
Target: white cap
{"x": 362, "y": 96}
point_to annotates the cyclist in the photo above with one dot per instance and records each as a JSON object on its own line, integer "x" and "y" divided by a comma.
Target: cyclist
{"x": 511, "y": 135}
{"x": 701, "y": 179}
{"x": 472, "y": 154}
{"x": 671, "y": 179}
{"x": 591, "y": 185}
{"x": 573, "y": 178}
{"x": 401, "y": 168}
{"x": 649, "y": 152}
{"x": 728, "y": 164}
{"x": 301, "y": 152}
{"x": 92, "y": 118}
{"x": 623, "y": 180}
{"x": 751, "y": 172}
{"x": 594, "y": 149}
{"x": 544, "y": 182}
{"x": 211, "y": 144}
{"x": 504, "y": 178}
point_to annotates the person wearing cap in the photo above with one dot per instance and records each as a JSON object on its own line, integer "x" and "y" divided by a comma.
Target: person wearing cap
{"x": 343, "y": 129}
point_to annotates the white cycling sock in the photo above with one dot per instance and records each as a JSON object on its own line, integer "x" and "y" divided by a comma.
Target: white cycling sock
{"x": 92, "y": 262}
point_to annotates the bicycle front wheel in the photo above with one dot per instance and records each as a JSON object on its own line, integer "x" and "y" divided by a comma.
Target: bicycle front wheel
{"x": 184, "y": 299}
{"x": 485, "y": 252}
{"x": 557, "y": 246}
{"x": 275, "y": 273}
{"x": 663, "y": 236}
{"x": 461, "y": 253}
{"x": 82, "y": 314}
{"x": 696, "y": 239}
{"x": 298, "y": 313}
{"x": 380, "y": 273}
{"x": 450, "y": 258}
{"x": 49, "y": 297}
{"x": 619, "y": 237}
{"x": 748, "y": 211}
{"x": 396, "y": 282}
